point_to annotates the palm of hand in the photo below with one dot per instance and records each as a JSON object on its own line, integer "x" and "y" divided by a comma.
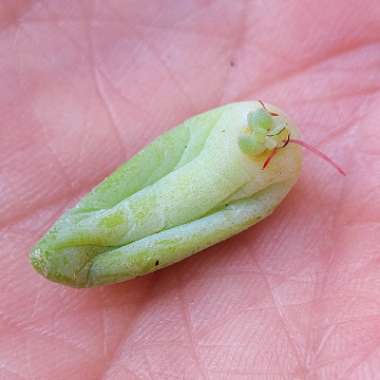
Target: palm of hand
{"x": 85, "y": 87}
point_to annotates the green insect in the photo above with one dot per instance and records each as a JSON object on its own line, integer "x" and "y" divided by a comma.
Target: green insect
{"x": 196, "y": 185}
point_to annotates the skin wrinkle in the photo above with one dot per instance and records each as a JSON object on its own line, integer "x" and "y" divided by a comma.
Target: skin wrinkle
{"x": 171, "y": 74}
{"x": 56, "y": 159}
{"x": 143, "y": 112}
{"x": 198, "y": 12}
{"x": 18, "y": 27}
{"x": 359, "y": 362}
{"x": 335, "y": 134}
{"x": 162, "y": 61}
{"x": 312, "y": 63}
{"x": 362, "y": 269}
{"x": 97, "y": 72}
{"x": 187, "y": 322}
{"x": 104, "y": 324}
{"x": 128, "y": 371}
{"x": 117, "y": 351}
{"x": 66, "y": 178}
{"x": 271, "y": 309}
{"x": 351, "y": 128}
{"x": 324, "y": 288}
{"x": 137, "y": 24}
{"x": 319, "y": 292}
{"x": 341, "y": 95}
{"x": 173, "y": 26}
{"x": 295, "y": 350}
{"x": 151, "y": 22}
{"x": 323, "y": 341}
{"x": 146, "y": 359}
{"x": 98, "y": 84}
{"x": 236, "y": 44}
{"x": 243, "y": 310}
{"x": 313, "y": 366}
{"x": 35, "y": 303}
{"x": 86, "y": 134}
{"x": 46, "y": 205}
{"x": 48, "y": 58}
{"x": 110, "y": 113}
{"x": 11, "y": 371}
{"x": 107, "y": 352}
{"x": 41, "y": 332}
{"x": 96, "y": 75}
{"x": 370, "y": 91}
{"x": 58, "y": 26}
{"x": 297, "y": 269}
{"x": 19, "y": 217}
{"x": 178, "y": 30}
{"x": 233, "y": 372}
{"x": 28, "y": 355}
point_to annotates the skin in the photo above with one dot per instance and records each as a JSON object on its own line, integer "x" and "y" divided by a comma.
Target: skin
{"x": 84, "y": 87}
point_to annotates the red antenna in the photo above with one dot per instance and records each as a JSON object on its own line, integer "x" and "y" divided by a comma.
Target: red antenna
{"x": 301, "y": 143}
{"x": 310, "y": 148}
{"x": 319, "y": 154}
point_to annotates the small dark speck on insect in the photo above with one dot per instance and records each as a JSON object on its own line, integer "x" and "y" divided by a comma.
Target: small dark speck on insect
{"x": 232, "y": 63}
{"x": 223, "y": 130}
{"x": 156, "y": 263}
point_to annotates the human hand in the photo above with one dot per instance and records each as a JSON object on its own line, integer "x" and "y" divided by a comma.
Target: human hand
{"x": 85, "y": 85}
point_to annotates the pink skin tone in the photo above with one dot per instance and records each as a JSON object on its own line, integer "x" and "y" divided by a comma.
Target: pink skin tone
{"x": 85, "y": 85}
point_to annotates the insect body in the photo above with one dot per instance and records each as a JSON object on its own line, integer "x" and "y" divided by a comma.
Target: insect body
{"x": 267, "y": 134}
{"x": 262, "y": 133}
{"x": 196, "y": 185}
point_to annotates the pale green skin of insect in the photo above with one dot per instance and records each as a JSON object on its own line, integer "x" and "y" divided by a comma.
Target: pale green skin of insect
{"x": 189, "y": 189}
